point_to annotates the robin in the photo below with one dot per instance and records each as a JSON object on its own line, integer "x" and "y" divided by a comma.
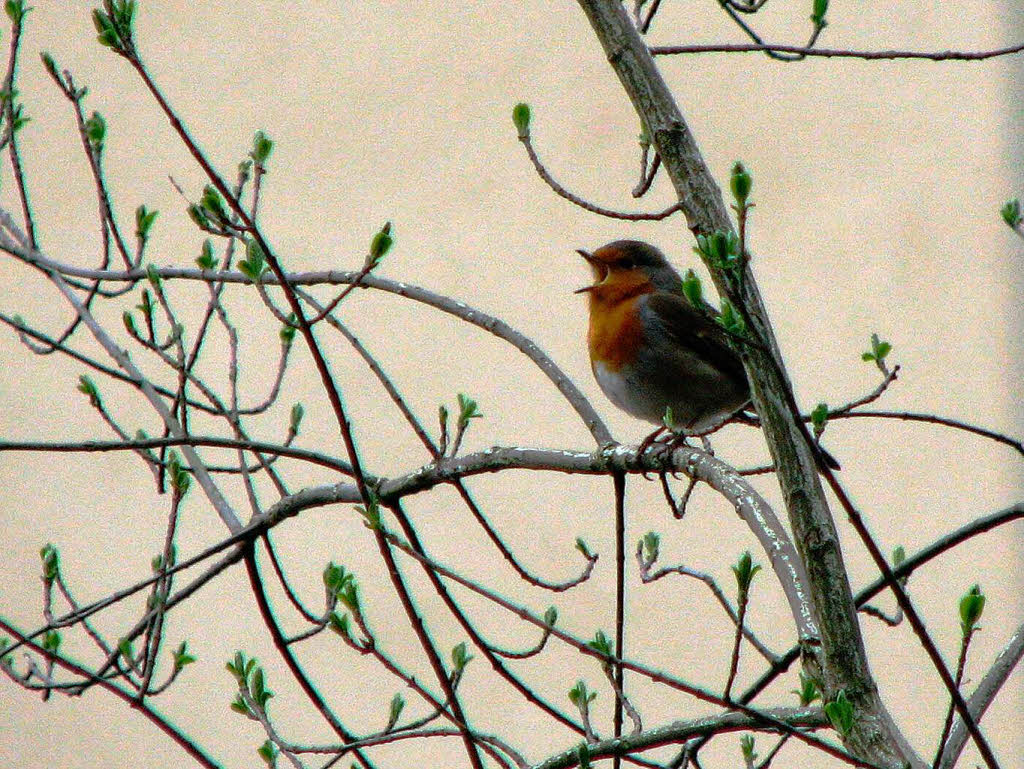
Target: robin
{"x": 651, "y": 350}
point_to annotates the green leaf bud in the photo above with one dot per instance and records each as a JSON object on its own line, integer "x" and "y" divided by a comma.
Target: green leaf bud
{"x": 971, "y": 607}
{"x": 740, "y": 183}
{"x": 521, "y": 119}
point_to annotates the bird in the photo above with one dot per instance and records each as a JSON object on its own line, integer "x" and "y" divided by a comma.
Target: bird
{"x": 652, "y": 352}
{"x": 657, "y": 356}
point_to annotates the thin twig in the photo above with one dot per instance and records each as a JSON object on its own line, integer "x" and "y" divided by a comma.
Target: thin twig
{"x": 587, "y": 205}
{"x": 802, "y": 51}
{"x": 311, "y": 692}
{"x": 734, "y": 658}
{"x": 910, "y": 416}
{"x": 12, "y": 134}
{"x": 187, "y": 744}
{"x": 872, "y": 396}
{"x": 426, "y": 642}
{"x": 961, "y": 664}
{"x": 437, "y": 451}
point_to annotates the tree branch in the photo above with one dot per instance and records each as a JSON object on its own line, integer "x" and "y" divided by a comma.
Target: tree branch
{"x": 844, "y": 660}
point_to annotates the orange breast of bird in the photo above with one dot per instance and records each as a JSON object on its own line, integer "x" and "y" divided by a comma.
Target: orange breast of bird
{"x": 616, "y": 330}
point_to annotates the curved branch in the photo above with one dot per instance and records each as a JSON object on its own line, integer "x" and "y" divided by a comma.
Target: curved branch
{"x": 680, "y": 731}
{"x": 440, "y": 302}
{"x": 749, "y": 505}
{"x": 910, "y": 416}
{"x": 562, "y": 192}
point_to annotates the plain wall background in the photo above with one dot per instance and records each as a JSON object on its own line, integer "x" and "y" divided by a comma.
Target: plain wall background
{"x": 877, "y": 186}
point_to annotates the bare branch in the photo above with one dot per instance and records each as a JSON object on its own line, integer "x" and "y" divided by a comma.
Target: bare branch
{"x": 1005, "y": 663}
{"x": 804, "y": 51}
{"x": 584, "y": 204}
{"x": 680, "y": 731}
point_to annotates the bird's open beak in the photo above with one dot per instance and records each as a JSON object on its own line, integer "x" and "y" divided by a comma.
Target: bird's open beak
{"x": 600, "y": 272}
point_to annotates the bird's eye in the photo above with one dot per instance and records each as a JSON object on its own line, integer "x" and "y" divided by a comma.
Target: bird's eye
{"x": 626, "y": 264}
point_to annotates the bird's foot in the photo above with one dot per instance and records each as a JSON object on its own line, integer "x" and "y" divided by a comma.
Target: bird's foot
{"x": 647, "y": 443}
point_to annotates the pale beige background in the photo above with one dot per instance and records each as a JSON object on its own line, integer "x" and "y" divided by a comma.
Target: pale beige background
{"x": 877, "y": 189}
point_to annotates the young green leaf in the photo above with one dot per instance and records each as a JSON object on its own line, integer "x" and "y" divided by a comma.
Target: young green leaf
{"x": 255, "y": 263}
{"x": 808, "y": 691}
{"x": 213, "y": 204}
{"x": 87, "y": 387}
{"x": 268, "y": 752}
{"x": 668, "y": 419}
{"x": 105, "y": 27}
{"x": 144, "y": 219}
{"x": 467, "y": 410}
{"x": 731, "y": 320}
{"x": 296, "y": 417}
{"x": 51, "y": 641}
{"x": 583, "y": 756}
{"x": 50, "y": 64}
{"x": 579, "y": 695}
{"x": 971, "y": 607}
{"x": 819, "y": 418}
{"x": 182, "y": 657}
{"x": 602, "y": 644}
{"x": 740, "y": 183}
{"x": 395, "y": 711}
{"x": 582, "y": 547}
{"x": 819, "y": 9}
{"x": 380, "y": 245}
{"x": 16, "y": 10}
{"x": 1011, "y": 213}
{"x": 745, "y": 569}
{"x": 840, "y": 713}
{"x": 371, "y": 514}
{"x": 460, "y": 657}
{"x": 899, "y": 556}
{"x": 96, "y": 131}
{"x": 177, "y": 474}
{"x": 693, "y": 291}
{"x": 199, "y": 217}
{"x": 51, "y": 562}
{"x": 651, "y": 545}
{"x": 153, "y": 276}
{"x": 747, "y": 749}
{"x": 239, "y": 706}
{"x": 262, "y": 146}
{"x": 521, "y": 119}
{"x": 878, "y": 352}
{"x": 340, "y": 624}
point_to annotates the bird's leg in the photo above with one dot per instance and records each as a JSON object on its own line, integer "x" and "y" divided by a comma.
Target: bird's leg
{"x": 646, "y": 443}
{"x": 678, "y": 440}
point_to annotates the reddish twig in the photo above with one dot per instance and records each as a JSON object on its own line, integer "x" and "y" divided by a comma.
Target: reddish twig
{"x": 587, "y": 205}
{"x": 669, "y": 50}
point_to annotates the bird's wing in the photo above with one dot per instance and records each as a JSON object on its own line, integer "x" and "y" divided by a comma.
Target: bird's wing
{"x": 673, "y": 317}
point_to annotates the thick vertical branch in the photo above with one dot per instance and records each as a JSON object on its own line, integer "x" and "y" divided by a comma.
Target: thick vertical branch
{"x": 843, "y": 659}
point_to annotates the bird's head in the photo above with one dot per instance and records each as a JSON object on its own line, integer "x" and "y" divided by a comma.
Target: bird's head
{"x": 629, "y": 266}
